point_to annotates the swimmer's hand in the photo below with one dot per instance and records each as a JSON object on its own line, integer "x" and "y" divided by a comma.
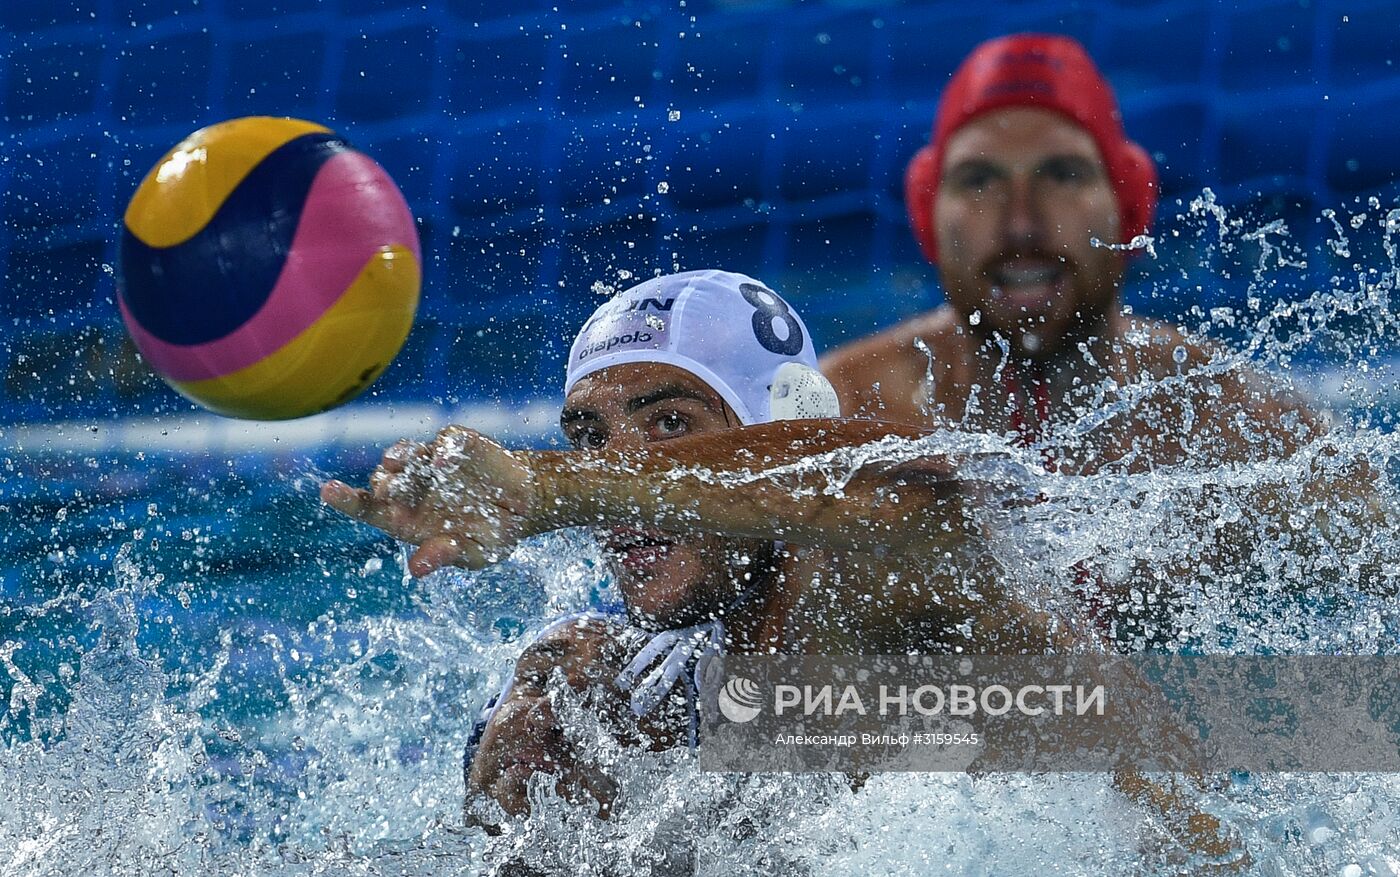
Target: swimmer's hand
{"x": 462, "y": 499}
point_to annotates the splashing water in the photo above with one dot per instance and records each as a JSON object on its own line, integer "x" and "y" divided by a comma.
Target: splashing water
{"x": 1145, "y": 243}
{"x": 202, "y": 672}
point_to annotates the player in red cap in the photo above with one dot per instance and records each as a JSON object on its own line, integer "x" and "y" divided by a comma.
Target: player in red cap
{"x": 1030, "y": 199}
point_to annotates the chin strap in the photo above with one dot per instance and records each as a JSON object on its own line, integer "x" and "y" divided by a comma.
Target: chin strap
{"x": 673, "y": 656}
{"x": 669, "y": 657}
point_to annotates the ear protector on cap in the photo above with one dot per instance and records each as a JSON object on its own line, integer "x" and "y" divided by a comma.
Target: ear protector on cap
{"x": 920, "y": 188}
{"x": 800, "y": 392}
{"x": 1137, "y": 173}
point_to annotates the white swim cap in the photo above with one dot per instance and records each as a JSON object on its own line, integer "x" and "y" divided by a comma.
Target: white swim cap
{"x": 729, "y": 330}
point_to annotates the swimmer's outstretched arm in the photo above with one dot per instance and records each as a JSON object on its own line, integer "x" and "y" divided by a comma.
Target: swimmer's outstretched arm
{"x": 465, "y": 500}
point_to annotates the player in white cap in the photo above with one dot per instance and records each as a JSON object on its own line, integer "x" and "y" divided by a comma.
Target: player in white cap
{"x": 679, "y": 362}
{"x": 696, "y": 354}
{"x": 690, "y": 354}
{"x": 685, "y": 359}
{"x": 678, "y": 359}
{"x": 728, "y": 330}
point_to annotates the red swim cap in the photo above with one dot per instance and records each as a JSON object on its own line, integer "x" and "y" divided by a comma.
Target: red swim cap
{"x": 1033, "y": 70}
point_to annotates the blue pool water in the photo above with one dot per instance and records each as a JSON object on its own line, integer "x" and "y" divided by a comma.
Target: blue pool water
{"x": 201, "y": 627}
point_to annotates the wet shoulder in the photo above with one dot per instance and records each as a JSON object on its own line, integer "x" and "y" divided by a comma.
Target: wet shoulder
{"x": 1155, "y": 348}
{"x": 1241, "y": 412}
{"x": 881, "y": 375}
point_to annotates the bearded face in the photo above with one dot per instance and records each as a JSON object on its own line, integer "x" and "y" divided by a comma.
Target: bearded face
{"x": 1023, "y": 193}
